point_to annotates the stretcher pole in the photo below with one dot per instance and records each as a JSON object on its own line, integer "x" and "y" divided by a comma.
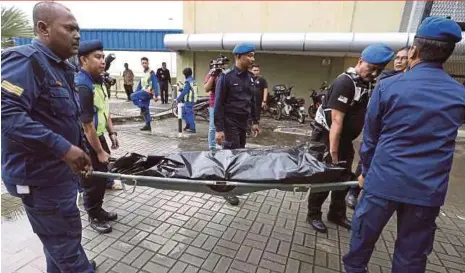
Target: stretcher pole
{"x": 165, "y": 183}
{"x": 180, "y": 105}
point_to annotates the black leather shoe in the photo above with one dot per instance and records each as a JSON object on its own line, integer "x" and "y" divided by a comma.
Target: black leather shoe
{"x": 146, "y": 128}
{"x": 351, "y": 200}
{"x": 343, "y": 222}
{"x": 233, "y": 200}
{"x": 109, "y": 216}
{"x": 99, "y": 225}
{"x": 317, "y": 225}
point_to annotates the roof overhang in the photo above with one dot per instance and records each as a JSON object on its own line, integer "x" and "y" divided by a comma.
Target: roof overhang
{"x": 331, "y": 44}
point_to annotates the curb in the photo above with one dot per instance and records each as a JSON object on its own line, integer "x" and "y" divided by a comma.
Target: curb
{"x": 122, "y": 119}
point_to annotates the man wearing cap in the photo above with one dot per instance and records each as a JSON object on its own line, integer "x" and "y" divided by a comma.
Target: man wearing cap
{"x": 408, "y": 145}
{"x": 42, "y": 144}
{"x": 339, "y": 120}
{"x": 235, "y": 103}
{"x": 96, "y": 120}
{"x": 400, "y": 66}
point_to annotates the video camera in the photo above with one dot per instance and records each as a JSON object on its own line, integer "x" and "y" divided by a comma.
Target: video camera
{"x": 217, "y": 64}
{"x": 108, "y": 81}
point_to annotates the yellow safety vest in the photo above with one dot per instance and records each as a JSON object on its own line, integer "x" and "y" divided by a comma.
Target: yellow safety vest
{"x": 146, "y": 81}
{"x": 101, "y": 109}
{"x": 191, "y": 96}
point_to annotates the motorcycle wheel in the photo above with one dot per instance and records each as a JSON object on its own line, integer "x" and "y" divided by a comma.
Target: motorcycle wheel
{"x": 276, "y": 112}
{"x": 174, "y": 109}
{"x": 301, "y": 118}
{"x": 311, "y": 112}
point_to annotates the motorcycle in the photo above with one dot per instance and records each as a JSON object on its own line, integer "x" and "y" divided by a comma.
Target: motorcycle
{"x": 282, "y": 103}
{"x": 317, "y": 99}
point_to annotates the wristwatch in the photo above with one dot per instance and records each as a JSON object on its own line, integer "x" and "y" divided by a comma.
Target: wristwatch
{"x": 113, "y": 133}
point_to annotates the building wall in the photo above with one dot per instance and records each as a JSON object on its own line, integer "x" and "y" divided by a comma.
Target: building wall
{"x": 304, "y": 72}
{"x": 292, "y": 16}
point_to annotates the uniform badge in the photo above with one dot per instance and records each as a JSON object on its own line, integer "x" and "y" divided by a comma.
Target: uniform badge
{"x": 342, "y": 99}
{"x": 14, "y": 89}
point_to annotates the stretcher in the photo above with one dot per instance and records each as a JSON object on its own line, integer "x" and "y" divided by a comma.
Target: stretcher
{"x": 221, "y": 188}
{"x": 234, "y": 172}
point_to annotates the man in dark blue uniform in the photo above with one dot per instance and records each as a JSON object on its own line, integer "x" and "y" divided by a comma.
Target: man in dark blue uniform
{"x": 96, "y": 120}
{"x": 339, "y": 120}
{"x": 408, "y": 145}
{"x": 400, "y": 66}
{"x": 42, "y": 136}
{"x": 235, "y": 103}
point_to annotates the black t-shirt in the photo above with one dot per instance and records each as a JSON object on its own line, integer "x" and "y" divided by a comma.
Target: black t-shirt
{"x": 343, "y": 96}
{"x": 86, "y": 100}
{"x": 260, "y": 85}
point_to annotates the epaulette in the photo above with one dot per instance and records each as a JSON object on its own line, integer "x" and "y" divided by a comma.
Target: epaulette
{"x": 25, "y": 50}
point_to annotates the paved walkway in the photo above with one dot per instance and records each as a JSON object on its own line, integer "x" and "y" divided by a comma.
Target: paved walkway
{"x": 168, "y": 231}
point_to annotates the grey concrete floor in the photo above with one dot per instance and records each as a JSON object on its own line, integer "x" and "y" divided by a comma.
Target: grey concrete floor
{"x": 175, "y": 231}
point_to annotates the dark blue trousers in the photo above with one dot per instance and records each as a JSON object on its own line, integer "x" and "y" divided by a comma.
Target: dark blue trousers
{"x": 415, "y": 234}
{"x": 142, "y": 99}
{"x": 55, "y": 218}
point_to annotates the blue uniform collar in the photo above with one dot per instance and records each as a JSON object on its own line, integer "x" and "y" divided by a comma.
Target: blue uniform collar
{"x": 98, "y": 80}
{"x": 39, "y": 45}
{"x": 189, "y": 78}
{"x": 238, "y": 71}
{"x": 427, "y": 64}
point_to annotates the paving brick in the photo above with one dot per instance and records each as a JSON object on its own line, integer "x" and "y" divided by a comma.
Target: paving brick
{"x": 140, "y": 261}
{"x": 163, "y": 260}
{"x": 123, "y": 268}
{"x": 210, "y": 243}
{"x": 190, "y": 259}
{"x": 222, "y": 265}
{"x": 244, "y": 267}
{"x": 211, "y": 261}
{"x": 272, "y": 265}
{"x": 153, "y": 267}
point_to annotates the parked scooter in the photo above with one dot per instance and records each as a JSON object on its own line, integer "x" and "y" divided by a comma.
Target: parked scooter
{"x": 317, "y": 99}
{"x": 282, "y": 103}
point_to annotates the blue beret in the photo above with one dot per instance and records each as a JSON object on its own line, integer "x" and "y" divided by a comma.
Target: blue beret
{"x": 377, "y": 54}
{"x": 441, "y": 29}
{"x": 243, "y": 48}
{"x": 86, "y": 47}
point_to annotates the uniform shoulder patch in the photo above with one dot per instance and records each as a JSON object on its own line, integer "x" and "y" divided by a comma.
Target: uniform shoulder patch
{"x": 25, "y": 50}
{"x": 13, "y": 89}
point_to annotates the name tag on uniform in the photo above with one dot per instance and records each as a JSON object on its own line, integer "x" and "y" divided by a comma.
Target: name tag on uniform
{"x": 22, "y": 189}
{"x": 235, "y": 84}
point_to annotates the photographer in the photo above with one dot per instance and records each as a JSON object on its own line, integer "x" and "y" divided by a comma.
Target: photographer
{"x": 217, "y": 67}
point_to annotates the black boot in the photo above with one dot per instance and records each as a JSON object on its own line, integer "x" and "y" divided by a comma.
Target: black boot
{"x": 317, "y": 224}
{"x": 108, "y": 216}
{"x": 146, "y": 128}
{"x": 340, "y": 221}
{"x": 99, "y": 225}
{"x": 351, "y": 200}
{"x": 232, "y": 199}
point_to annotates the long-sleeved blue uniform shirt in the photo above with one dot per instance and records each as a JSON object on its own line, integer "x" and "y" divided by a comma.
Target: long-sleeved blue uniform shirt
{"x": 154, "y": 81}
{"x": 409, "y": 135}
{"x": 40, "y": 116}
